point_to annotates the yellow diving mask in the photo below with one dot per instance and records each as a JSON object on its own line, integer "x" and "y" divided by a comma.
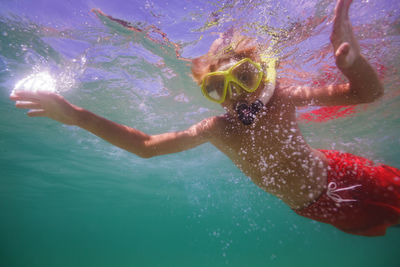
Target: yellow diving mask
{"x": 245, "y": 73}
{"x": 248, "y": 75}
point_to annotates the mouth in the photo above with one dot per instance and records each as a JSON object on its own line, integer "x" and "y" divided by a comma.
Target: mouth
{"x": 240, "y": 103}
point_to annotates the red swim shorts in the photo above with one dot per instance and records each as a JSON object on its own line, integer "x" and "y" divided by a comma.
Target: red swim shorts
{"x": 361, "y": 198}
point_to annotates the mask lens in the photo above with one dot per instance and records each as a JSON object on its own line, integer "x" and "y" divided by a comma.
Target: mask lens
{"x": 248, "y": 75}
{"x": 213, "y": 86}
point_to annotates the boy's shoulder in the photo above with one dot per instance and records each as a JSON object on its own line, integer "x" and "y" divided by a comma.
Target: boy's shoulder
{"x": 212, "y": 127}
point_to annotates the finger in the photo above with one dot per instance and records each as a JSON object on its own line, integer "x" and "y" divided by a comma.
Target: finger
{"x": 24, "y": 99}
{"x": 339, "y": 6}
{"x": 24, "y": 96}
{"x": 25, "y": 93}
{"x": 348, "y": 3}
{"x": 342, "y": 8}
{"x": 36, "y": 113}
{"x": 343, "y": 50}
{"x": 341, "y": 54}
{"x": 27, "y": 105}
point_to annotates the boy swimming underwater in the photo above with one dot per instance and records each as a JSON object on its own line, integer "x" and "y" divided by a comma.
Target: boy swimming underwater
{"x": 259, "y": 132}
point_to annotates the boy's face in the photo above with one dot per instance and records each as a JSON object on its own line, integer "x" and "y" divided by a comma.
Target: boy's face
{"x": 238, "y": 95}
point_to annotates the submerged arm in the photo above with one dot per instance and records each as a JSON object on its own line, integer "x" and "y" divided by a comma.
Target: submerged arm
{"x": 363, "y": 87}
{"x": 137, "y": 142}
{"x": 54, "y": 106}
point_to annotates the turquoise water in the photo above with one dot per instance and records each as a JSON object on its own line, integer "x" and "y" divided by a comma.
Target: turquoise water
{"x": 70, "y": 199}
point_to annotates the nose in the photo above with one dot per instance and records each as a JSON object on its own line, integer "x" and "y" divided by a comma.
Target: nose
{"x": 235, "y": 89}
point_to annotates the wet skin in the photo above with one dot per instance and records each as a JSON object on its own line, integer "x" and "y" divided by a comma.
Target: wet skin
{"x": 272, "y": 150}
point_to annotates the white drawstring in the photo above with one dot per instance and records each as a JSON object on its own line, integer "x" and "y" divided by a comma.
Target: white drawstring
{"x": 332, "y": 189}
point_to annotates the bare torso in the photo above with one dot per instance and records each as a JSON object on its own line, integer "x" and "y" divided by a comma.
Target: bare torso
{"x": 274, "y": 154}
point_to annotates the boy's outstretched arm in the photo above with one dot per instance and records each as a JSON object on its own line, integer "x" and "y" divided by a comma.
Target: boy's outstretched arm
{"x": 364, "y": 85}
{"x": 54, "y": 106}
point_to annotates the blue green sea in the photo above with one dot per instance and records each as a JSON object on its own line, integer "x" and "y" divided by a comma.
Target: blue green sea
{"x": 68, "y": 198}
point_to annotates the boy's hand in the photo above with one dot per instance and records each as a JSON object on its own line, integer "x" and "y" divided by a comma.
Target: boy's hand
{"x": 46, "y": 104}
{"x": 345, "y": 45}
